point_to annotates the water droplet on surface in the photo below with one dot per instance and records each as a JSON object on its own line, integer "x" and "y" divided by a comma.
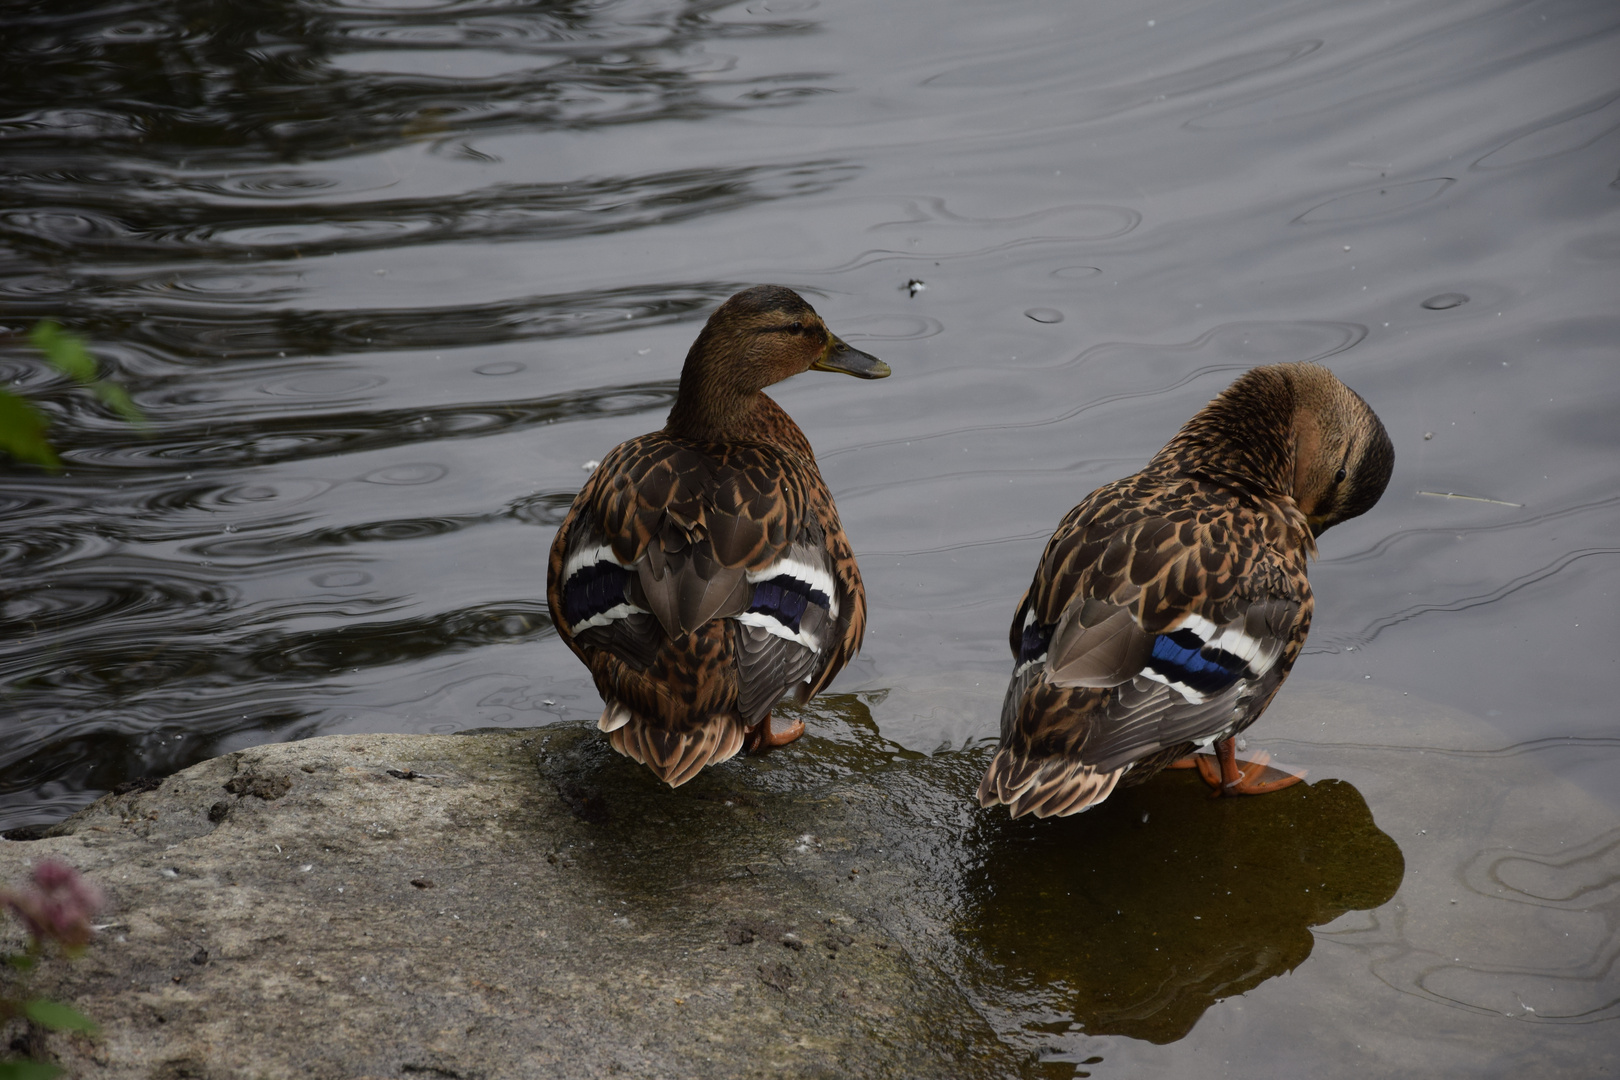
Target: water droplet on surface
{"x": 1445, "y": 301}
{"x": 1045, "y": 315}
{"x": 504, "y": 367}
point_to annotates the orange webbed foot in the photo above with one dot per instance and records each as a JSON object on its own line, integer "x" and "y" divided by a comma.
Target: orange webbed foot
{"x": 761, "y": 738}
{"x": 1229, "y": 775}
{"x": 1260, "y": 777}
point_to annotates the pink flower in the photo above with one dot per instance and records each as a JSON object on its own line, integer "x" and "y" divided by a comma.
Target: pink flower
{"x": 57, "y": 905}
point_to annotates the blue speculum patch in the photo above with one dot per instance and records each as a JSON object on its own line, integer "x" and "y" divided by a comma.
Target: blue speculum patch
{"x": 785, "y": 599}
{"x": 593, "y": 590}
{"x": 1036, "y": 639}
{"x": 1178, "y": 657}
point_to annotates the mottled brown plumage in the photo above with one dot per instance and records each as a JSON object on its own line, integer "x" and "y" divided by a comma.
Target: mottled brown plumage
{"x": 702, "y": 573}
{"x": 1169, "y": 606}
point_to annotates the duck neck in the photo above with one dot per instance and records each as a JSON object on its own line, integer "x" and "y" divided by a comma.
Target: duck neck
{"x": 705, "y": 417}
{"x": 709, "y": 407}
{"x": 1244, "y": 438}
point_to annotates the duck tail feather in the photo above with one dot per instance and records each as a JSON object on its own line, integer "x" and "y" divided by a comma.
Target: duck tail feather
{"x": 677, "y": 756}
{"x": 1009, "y": 774}
{"x": 1053, "y": 787}
{"x": 614, "y": 716}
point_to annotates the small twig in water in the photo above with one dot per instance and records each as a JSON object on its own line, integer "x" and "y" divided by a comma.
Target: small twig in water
{"x": 1471, "y": 498}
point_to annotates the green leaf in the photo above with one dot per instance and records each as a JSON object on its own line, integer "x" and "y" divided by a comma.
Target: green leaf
{"x": 59, "y": 1017}
{"x": 22, "y": 432}
{"x": 66, "y": 351}
{"x": 118, "y": 398}
{"x": 28, "y": 1070}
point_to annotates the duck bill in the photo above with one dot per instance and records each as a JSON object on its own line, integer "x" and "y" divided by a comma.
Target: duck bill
{"x": 840, "y": 357}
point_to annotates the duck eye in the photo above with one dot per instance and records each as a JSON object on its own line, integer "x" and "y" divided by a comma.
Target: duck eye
{"x": 796, "y": 328}
{"x": 1338, "y": 477}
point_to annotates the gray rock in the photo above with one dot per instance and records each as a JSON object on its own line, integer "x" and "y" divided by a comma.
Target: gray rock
{"x": 501, "y": 903}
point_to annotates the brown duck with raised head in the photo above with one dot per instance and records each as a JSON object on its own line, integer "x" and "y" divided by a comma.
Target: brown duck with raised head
{"x": 1169, "y": 606}
{"x": 702, "y": 573}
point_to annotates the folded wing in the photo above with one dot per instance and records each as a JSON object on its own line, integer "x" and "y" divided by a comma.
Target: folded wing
{"x": 701, "y": 588}
{"x": 1137, "y": 641}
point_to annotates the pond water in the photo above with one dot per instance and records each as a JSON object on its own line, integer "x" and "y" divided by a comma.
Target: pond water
{"x": 383, "y": 277}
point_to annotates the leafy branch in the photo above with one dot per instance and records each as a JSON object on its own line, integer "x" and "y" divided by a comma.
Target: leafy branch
{"x": 23, "y": 426}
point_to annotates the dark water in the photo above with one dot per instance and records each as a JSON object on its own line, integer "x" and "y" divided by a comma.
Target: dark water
{"x": 383, "y": 277}
{"x": 1176, "y": 904}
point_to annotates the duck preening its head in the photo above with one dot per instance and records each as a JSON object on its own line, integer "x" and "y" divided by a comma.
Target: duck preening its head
{"x": 758, "y": 337}
{"x": 1291, "y": 430}
{"x": 1342, "y": 454}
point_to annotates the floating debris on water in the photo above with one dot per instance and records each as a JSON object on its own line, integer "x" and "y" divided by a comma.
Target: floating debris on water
{"x": 1470, "y": 498}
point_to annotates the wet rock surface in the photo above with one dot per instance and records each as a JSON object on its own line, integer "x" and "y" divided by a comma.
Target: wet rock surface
{"x": 495, "y": 904}
{"x": 521, "y": 903}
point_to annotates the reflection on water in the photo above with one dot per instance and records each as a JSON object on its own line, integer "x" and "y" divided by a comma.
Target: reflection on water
{"x": 268, "y": 82}
{"x": 1498, "y": 901}
{"x": 1131, "y": 919}
{"x": 1134, "y": 919}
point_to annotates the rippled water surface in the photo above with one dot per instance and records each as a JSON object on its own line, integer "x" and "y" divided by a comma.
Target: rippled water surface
{"x": 384, "y": 276}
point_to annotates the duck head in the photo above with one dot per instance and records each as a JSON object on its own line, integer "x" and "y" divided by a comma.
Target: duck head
{"x": 758, "y": 337}
{"x": 1290, "y": 431}
{"x": 1342, "y": 454}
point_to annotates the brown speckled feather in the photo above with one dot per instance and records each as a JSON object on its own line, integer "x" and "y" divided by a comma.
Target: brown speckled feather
{"x": 1169, "y": 606}
{"x": 681, "y": 532}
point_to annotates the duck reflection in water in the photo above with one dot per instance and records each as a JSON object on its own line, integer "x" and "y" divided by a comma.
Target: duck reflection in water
{"x": 1137, "y": 917}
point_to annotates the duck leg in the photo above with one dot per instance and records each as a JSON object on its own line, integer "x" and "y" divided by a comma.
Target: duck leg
{"x": 1257, "y": 776}
{"x": 761, "y": 738}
